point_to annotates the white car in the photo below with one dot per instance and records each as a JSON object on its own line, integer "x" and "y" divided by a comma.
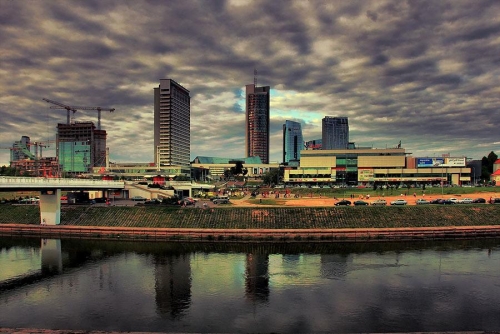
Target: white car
{"x": 465, "y": 201}
{"x": 454, "y": 200}
{"x": 379, "y": 202}
{"x": 399, "y": 202}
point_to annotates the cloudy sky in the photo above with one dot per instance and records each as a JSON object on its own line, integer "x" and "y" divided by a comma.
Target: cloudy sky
{"x": 423, "y": 72}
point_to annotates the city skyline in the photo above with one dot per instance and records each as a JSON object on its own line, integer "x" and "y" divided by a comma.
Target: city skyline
{"x": 421, "y": 72}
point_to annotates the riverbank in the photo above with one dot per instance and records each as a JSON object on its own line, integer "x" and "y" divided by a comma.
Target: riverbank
{"x": 259, "y": 223}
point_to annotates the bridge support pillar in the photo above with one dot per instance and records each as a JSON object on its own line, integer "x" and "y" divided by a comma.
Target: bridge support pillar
{"x": 50, "y": 207}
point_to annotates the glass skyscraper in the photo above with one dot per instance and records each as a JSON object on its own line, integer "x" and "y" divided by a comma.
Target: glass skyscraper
{"x": 292, "y": 142}
{"x": 335, "y": 133}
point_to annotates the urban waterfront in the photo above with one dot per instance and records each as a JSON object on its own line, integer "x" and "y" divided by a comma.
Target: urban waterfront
{"x": 220, "y": 287}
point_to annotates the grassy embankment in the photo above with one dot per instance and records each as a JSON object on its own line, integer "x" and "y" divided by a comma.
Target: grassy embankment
{"x": 263, "y": 217}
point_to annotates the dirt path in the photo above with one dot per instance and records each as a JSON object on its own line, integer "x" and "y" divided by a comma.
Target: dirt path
{"x": 326, "y": 201}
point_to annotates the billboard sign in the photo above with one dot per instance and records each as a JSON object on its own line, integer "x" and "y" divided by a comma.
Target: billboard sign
{"x": 455, "y": 162}
{"x": 430, "y": 162}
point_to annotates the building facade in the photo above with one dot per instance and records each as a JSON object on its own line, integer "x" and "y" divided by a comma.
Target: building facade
{"x": 369, "y": 166}
{"x": 172, "y": 124}
{"x": 335, "y": 133}
{"x": 80, "y": 146}
{"x": 257, "y": 111}
{"x": 293, "y": 142}
{"x": 212, "y": 168}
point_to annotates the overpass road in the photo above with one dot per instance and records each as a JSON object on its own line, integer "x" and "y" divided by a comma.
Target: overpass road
{"x": 50, "y": 191}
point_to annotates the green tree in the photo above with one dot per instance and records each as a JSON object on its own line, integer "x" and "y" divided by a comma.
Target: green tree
{"x": 487, "y": 165}
{"x": 272, "y": 177}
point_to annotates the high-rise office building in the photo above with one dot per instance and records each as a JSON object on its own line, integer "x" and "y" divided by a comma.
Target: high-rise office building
{"x": 80, "y": 146}
{"x": 257, "y": 122}
{"x": 172, "y": 124}
{"x": 313, "y": 144}
{"x": 292, "y": 142}
{"x": 335, "y": 133}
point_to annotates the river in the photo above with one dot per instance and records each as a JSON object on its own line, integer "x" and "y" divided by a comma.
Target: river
{"x": 239, "y": 288}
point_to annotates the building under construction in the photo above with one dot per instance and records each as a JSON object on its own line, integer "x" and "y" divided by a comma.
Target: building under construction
{"x": 80, "y": 147}
{"x": 32, "y": 163}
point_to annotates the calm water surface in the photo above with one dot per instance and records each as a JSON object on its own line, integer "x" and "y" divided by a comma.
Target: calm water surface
{"x": 169, "y": 287}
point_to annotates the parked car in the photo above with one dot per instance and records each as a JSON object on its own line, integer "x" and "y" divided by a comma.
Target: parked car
{"x": 379, "y": 202}
{"x": 399, "y": 202}
{"x": 187, "y": 201}
{"x": 436, "y": 201}
{"x": 465, "y": 201}
{"x": 153, "y": 201}
{"x": 360, "y": 202}
{"x": 479, "y": 200}
{"x": 221, "y": 200}
{"x": 421, "y": 201}
{"x": 453, "y": 199}
{"x": 495, "y": 201}
{"x": 446, "y": 202}
{"x": 138, "y": 198}
{"x": 343, "y": 202}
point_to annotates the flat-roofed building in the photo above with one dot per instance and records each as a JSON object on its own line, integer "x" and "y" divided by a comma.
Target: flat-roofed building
{"x": 212, "y": 168}
{"x": 172, "y": 124}
{"x": 335, "y": 133}
{"x": 370, "y": 165}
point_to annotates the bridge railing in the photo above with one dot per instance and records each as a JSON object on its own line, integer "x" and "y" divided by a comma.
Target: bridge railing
{"x": 53, "y": 182}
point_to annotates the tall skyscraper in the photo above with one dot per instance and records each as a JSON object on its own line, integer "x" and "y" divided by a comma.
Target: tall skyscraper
{"x": 172, "y": 132}
{"x": 292, "y": 142}
{"x": 257, "y": 122}
{"x": 335, "y": 133}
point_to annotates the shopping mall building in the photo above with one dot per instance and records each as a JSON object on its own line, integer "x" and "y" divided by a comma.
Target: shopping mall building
{"x": 366, "y": 166}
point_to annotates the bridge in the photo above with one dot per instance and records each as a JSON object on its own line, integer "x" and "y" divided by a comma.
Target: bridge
{"x": 50, "y": 191}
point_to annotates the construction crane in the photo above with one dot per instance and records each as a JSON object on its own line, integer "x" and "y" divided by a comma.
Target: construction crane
{"x": 75, "y": 108}
{"x": 39, "y": 144}
{"x": 62, "y": 106}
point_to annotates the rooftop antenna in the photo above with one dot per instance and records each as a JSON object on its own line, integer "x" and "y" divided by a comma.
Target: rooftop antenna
{"x": 255, "y": 77}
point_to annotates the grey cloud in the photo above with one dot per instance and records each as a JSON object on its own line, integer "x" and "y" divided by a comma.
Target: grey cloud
{"x": 427, "y": 66}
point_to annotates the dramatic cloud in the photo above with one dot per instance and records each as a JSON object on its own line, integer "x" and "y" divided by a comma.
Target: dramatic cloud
{"x": 423, "y": 72}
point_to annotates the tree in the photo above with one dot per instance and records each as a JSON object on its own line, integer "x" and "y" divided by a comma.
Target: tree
{"x": 487, "y": 165}
{"x": 272, "y": 177}
{"x": 238, "y": 168}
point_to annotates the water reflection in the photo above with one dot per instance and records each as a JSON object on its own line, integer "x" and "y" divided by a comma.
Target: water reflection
{"x": 172, "y": 284}
{"x": 176, "y": 287}
{"x": 257, "y": 277}
{"x": 51, "y": 257}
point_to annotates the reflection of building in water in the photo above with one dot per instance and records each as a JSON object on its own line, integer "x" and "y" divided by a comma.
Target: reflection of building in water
{"x": 51, "y": 256}
{"x": 257, "y": 277}
{"x": 334, "y": 265}
{"x": 172, "y": 284}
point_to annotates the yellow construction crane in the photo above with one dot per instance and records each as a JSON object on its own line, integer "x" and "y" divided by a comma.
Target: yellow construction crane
{"x": 59, "y": 105}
